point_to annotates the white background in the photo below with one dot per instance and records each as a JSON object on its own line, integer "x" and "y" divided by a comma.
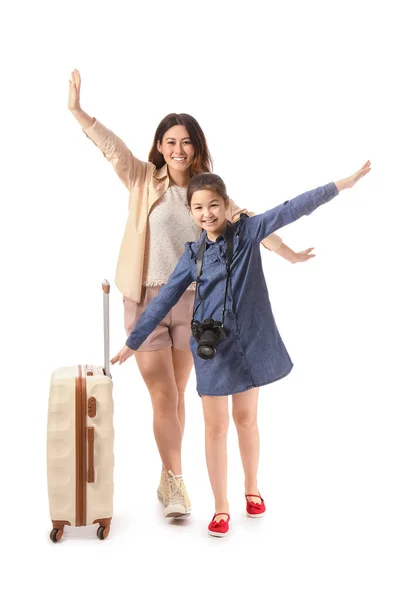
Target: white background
{"x": 291, "y": 95}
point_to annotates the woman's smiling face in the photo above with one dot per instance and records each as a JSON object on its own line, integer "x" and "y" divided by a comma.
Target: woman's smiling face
{"x": 177, "y": 148}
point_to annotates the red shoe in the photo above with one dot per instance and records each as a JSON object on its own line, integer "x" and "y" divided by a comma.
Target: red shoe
{"x": 255, "y": 509}
{"x": 219, "y": 528}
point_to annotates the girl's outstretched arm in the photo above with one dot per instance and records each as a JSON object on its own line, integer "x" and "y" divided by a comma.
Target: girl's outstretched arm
{"x": 234, "y": 212}
{"x": 273, "y": 241}
{"x": 263, "y": 225}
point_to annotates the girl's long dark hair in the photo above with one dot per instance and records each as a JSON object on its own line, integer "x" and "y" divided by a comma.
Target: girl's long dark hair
{"x": 202, "y": 162}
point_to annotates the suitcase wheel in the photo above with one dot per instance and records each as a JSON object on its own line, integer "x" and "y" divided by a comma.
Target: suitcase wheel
{"x": 55, "y": 535}
{"x": 101, "y": 532}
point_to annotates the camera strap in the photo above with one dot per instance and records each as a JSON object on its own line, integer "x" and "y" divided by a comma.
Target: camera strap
{"x": 229, "y": 236}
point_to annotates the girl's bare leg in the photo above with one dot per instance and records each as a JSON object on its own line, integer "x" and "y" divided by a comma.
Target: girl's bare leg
{"x": 216, "y": 419}
{"x": 244, "y": 413}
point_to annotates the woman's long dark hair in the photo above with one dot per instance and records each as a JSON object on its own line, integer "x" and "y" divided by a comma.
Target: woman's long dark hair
{"x": 202, "y": 162}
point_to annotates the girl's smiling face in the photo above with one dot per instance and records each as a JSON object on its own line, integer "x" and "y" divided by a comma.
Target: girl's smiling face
{"x": 209, "y": 212}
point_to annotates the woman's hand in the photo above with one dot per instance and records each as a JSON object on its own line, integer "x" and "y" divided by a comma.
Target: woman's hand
{"x": 294, "y": 257}
{"x": 303, "y": 255}
{"x": 74, "y": 91}
{"x": 348, "y": 182}
{"x": 123, "y": 355}
{"x": 74, "y": 103}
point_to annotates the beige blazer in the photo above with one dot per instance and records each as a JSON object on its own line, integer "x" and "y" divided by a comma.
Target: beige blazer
{"x": 146, "y": 185}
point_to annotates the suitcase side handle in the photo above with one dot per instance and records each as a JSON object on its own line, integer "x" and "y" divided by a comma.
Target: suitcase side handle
{"x": 90, "y": 476}
{"x": 106, "y": 290}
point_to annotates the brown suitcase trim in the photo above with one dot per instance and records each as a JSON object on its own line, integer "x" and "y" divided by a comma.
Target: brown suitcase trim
{"x": 59, "y": 525}
{"x": 91, "y": 407}
{"x": 91, "y": 463}
{"x": 106, "y": 523}
{"x": 80, "y": 447}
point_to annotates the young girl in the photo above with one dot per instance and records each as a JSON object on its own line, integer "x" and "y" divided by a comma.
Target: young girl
{"x": 158, "y": 225}
{"x": 244, "y": 350}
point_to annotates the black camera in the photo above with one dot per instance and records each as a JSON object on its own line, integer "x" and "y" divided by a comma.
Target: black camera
{"x": 207, "y": 334}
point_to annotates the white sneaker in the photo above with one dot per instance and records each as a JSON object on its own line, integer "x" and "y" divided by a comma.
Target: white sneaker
{"x": 177, "y": 503}
{"x": 163, "y": 489}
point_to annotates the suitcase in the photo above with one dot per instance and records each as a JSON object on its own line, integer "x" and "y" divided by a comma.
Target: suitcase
{"x": 80, "y": 443}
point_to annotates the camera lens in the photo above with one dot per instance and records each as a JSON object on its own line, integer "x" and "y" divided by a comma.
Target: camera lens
{"x": 207, "y": 345}
{"x": 206, "y": 352}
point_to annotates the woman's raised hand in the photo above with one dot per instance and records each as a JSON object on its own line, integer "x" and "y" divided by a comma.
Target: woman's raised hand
{"x": 74, "y": 103}
{"x": 74, "y": 91}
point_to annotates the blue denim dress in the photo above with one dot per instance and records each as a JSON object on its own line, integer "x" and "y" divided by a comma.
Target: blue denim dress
{"x": 253, "y": 354}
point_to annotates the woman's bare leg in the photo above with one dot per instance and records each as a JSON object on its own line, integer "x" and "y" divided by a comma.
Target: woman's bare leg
{"x": 157, "y": 370}
{"x": 182, "y": 365}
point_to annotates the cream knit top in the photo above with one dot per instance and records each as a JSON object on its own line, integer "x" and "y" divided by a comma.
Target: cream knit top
{"x": 170, "y": 226}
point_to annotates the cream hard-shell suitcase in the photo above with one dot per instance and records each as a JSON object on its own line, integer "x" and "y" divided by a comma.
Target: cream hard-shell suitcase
{"x": 80, "y": 444}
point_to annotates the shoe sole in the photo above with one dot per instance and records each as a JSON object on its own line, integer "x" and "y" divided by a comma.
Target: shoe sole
{"x": 213, "y": 534}
{"x": 255, "y": 516}
{"x": 182, "y": 512}
{"x": 176, "y": 510}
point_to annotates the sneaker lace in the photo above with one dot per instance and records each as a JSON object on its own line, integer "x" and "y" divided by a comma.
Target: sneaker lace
{"x": 176, "y": 492}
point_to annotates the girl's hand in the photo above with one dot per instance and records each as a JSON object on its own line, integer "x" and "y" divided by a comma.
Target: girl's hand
{"x": 123, "y": 355}
{"x": 348, "y": 182}
{"x": 74, "y": 91}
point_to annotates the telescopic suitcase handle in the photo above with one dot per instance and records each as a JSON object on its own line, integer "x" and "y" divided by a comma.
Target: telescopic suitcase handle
{"x": 106, "y": 290}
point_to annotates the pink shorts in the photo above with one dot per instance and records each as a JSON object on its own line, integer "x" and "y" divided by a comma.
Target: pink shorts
{"x": 174, "y": 330}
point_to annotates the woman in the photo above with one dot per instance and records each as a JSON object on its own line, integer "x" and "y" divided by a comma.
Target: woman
{"x": 159, "y": 223}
